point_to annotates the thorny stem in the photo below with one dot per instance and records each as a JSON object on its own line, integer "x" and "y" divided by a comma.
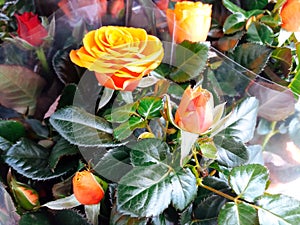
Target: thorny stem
{"x": 270, "y": 134}
{"x": 236, "y": 200}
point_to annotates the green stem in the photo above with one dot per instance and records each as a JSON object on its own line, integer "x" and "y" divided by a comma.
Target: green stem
{"x": 42, "y": 57}
{"x": 270, "y": 134}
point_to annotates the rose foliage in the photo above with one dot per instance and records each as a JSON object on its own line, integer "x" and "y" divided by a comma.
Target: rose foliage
{"x": 149, "y": 112}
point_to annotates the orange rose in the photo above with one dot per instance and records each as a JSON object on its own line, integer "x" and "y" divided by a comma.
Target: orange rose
{"x": 189, "y": 21}
{"x": 195, "y": 111}
{"x": 86, "y": 188}
{"x": 120, "y": 56}
{"x": 290, "y": 15}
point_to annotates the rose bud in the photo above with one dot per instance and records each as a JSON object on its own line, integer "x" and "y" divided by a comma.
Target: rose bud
{"x": 120, "y": 56}
{"x": 30, "y": 28}
{"x": 290, "y": 15}
{"x": 24, "y": 195}
{"x": 195, "y": 111}
{"x": 189, "y": 21}
{"x": 87, "y": 188}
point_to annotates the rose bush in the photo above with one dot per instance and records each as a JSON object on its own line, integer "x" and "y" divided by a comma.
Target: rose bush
{"x": 30, "y": 28}
{"x": 195, "y": 111}
{"x": 120, "y": 56}
{"x": 189, "y": 21}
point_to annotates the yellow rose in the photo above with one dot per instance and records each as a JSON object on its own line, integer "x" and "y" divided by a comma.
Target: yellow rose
{"x": 189, "y": 21}
{"x": 290, "y": 15}
{"x": 195, "y": 111}
{"x": 120, "y": 56}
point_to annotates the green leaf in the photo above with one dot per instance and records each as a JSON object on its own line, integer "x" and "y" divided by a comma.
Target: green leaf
{"x": 4, "y": 144}
{"x": 190, "y": 60}
{"x": 230, "y": 153}
{"x": 60, "y": 149}
{"x": 63, "y": 203}
{"x": 19, "y": 88}
{"x": 126, "y": 129}
{"x": 249, "y": 181}
{"x": 106, "y": 96}
{"x": 294, "y": 130}
{"x": 295, "y": 84}
{"x": 123, "y": 113}
{"x": 184, "y": 188}
{"x": 69, "y": 216}
{"x": 31, "y": 160}
{"x": 11, "y": 130}
{"x": 148, "y": 189}
{"x": 254, "y": 4}
{"x": 150, "y": 107}
{"x": 92, "y": 213}
{"x": 114, "y": 164}
{"x": 38, "y": 218}
{"x": 260, "y": 33}
{"x": 82, "y": 128}
{"x": 39, "y": 129}
{"x": 237, "y": 214}
{"x": 284, "y": 57}
{"x": 234, "y": 23}
{"x": 240, "y": 123}
{"x": 278, "y": 209}
{"x": 232, "y": 7}
{"x": 8, "y": 209}
{"x": 149, "y": 151}
{"x": 252, "y": 56}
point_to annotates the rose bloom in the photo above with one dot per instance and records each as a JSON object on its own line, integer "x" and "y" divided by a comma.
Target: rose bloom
{"x": 86, "y": 188}
{"x": 195, "y": 111}
{"x": 30, "y": 28}
{"x": 290, "y": 15}
{"x": 189, "y": 21}
{"x": 120, "y": 56}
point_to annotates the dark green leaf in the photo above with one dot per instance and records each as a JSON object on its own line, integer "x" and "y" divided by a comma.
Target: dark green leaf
{"x": 31, "y": 160}
{"x": 67, "y": 96}
{"x": 283, "y": 57}
{"x": 114, "y": 164}
{"x": 184, "y": 188}
{"x": 254, "y": 12}
{"x": 145, "y": 191}
{"x": 295, "y": 84}
{"x": 249, "y": 181}
{"x": 238, "y": 214}
{"x": 126, "y": 129}
{"x": 278, "y": 209}
{"x": 11, "y": 130}
{"x": 149, "y": 151}
{"x": 117, "y": 218}
{"x": 8, "y": 210}
{"x": 37, "y": 126}
{"x": 190, "y": 60}
{"x": 254, "y": 4}
{"x": 294, "y": 131}
{"x": 260, "y": 33}
{"x": 231, "y": 153}
{"x": 82, "y": 128}
{"x": 208, "y": 204}
{"x": 150, "y": 107}
{"x": 234, "y": 23}
{"x": 252, "y": 56}
{"x": 38, "y": 218}
{"x": 61, "y": 148}
{"x": 122, "y": 113}
{"x": 68, "y": 216}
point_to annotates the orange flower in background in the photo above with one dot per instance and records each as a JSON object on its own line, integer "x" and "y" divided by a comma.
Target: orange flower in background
{"x": 189, "y": 21}
{"x": 290, "y": 15}
{"x": 120, "y": 56}
{"x": 86, "y": 188}
{"x": 116, "y": 7}
{"x": 195, "y": 111}
{"x": 30, "y": 28}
